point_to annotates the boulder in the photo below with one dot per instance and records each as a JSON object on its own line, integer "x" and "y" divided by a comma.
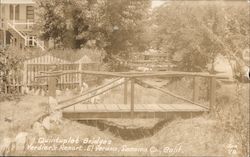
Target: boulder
{"x": 38, "y": 129}
{"x": 46, "y": 123}
{"x": 20, "y": 140}
{"x": 56, "y": 117}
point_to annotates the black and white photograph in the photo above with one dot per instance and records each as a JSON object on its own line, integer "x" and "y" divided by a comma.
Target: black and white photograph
{"x": 128, "y": 78}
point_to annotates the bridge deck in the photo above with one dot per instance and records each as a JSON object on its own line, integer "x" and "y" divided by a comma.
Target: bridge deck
{"x": 90, "y": 111}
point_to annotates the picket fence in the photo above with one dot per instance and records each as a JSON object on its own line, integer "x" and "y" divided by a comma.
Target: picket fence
{"x": 36, "y": 66}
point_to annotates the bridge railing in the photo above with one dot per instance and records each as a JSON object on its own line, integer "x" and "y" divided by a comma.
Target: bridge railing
{"x": 133, "y": 77}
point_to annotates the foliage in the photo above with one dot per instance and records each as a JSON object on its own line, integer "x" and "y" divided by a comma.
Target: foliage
{"x": 10, "y": 61}
{"x": 52, "y": 20}
{"x": 233, "y": 116}
{"x": 112, "y": 25}
{"x": 10, "y": 66}
{"x": 195, "y": 34}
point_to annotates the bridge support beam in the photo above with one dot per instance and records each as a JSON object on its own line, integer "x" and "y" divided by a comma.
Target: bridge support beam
{"x": 132, "y": 97}
{"x": 212, "y": 99}
{"x": 125, "y": 91}
{"x": 195, "y": 89}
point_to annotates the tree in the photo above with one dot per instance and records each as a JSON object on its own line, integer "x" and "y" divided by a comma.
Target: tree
{"x": 51, "y": 19}
{"x": 193, "y": 35}
{"x": 112, "y": 25}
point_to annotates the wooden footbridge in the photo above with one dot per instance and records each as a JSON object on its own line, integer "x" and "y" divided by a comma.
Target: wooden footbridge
{"x": 78, "y": 108}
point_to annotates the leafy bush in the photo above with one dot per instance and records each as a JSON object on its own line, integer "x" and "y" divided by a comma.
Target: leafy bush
{"x": 233, "y": 115}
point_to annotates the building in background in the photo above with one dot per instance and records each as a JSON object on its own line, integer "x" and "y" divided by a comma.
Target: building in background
{"x": 17, "y": 19}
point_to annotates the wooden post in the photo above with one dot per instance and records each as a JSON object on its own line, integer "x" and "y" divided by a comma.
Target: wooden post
{"x": 80, "y": 74}
{"x": 195, "y": 89}
{"x": 132, "y": 97}
{"x": 212, "y": 92}
{"x": 52, "y": 84}
{"x": 14, "y": 15}
{"x": 24, "y": 81}
{"x": 125, "y": 91}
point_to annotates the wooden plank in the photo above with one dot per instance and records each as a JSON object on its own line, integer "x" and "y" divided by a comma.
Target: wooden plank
{"x": 112, "y": 107}
{"x": 70, "y": 109}
{"x": 186, "y": 107}
{"x": 132, "y": 97}
{"x": 153, "y": 107}
{"x": 166, "y": 107}
{"x": 124, "y": 107}
{"x": 125, "y": 97}
{"x": 140, "y": 107}
{"x": 195, "y": 89}
{"x": 101, "y": 107}
{"x": 91, "y": 107}
{"x": 81, "y": 108}
{"x": 212, "y": 92}
{"x": 144, "y": 115}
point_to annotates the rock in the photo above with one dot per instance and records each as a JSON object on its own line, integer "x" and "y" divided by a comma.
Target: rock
{"x": 38, "y": 129}
{"x": 56, "y": 117}
{"x": 46, "y": 123}
{"x": 21, "y": 140}
{"x": 31, "y": 139}
{"x": 5, "y": 146}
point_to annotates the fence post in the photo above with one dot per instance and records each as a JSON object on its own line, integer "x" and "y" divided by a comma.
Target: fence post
{"x": 52, "y": 84}
{"x": 125, "y": 90}
{"x": 24, "y": 84}
{"x": 212, "y": 94}
{"x": 132, "y": 97}
{"x": 195, "y": 89}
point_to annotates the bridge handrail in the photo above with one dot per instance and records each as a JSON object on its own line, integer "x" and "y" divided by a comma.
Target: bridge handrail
{"x": 170, "y": 93}
{"x": 60, "y": 107}
{"x": 138, "y": 74}
{"x": 90, "y": 91}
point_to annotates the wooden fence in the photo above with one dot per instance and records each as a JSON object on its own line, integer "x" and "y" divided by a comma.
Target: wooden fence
{"x": 15, "y": 81}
